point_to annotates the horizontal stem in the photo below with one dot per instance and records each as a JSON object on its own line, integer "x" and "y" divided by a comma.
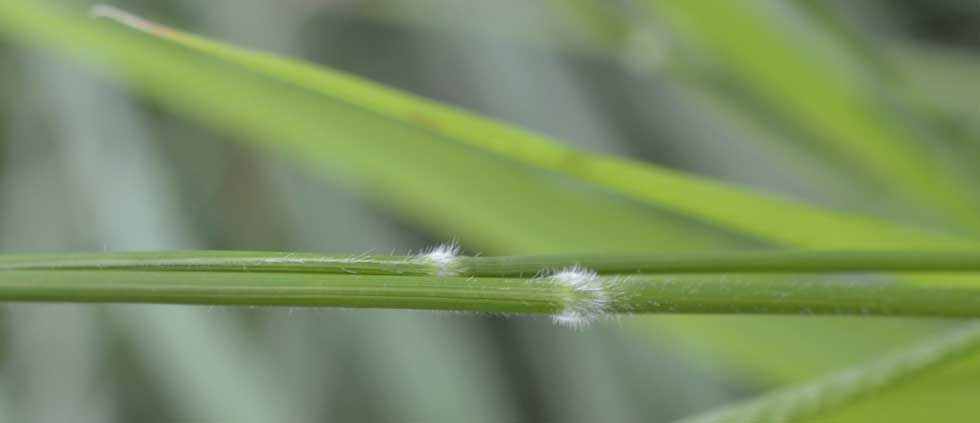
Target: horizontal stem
{"x": 764, "y": 261}
{"x": 283, "y": 289}
{"x": 751, "y": 293}
{"x": 760, "y": 261}
{"x": 638, "y": 293}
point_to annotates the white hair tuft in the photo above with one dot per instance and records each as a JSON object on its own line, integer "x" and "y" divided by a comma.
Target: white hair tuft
{"x": 587, "y": 301}
{"x": 444, "y": 257}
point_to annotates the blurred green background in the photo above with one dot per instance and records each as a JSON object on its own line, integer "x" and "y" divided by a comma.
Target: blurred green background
{"x": 86, "y": 165}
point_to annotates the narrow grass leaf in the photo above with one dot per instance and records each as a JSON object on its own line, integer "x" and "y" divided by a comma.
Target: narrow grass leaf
{"x": 810, "y": 400}
{"x": 756, "y": 40}
{"x": 713, "y": 201}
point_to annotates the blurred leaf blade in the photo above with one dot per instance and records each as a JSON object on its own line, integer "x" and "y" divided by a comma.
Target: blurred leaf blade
{"x": 831, "y": 103}
{"x": 836, "y": 392}
{"x": 519, "y": 211}
{"x": 710, "y": 200}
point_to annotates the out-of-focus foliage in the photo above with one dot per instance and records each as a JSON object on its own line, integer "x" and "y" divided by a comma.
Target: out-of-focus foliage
{"x": 852, "y": 107}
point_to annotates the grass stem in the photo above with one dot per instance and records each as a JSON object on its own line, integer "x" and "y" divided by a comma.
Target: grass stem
{"x": 576, "y": 289}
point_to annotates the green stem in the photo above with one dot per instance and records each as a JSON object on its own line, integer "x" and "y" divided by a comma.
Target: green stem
{"x": 284, "y": 289}
{"x": 762, "y": 261}
{"x": 792, "y": 294}
{"x": 773, "y": 282}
